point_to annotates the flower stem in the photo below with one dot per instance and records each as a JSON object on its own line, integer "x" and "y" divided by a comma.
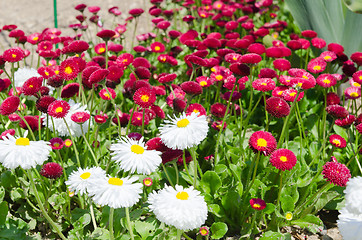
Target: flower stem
{"x": 47, "y": 217}
{"x": 280, "y": 187}
{"x": 129, "y": 223}
{"x": 89, "y": 147}
{"x": 74, "y": 147}
{"x": 178, "y": 235}
{"x": 194, "y": 158}
{"x": 92, "y": 214}
{"x": 111, "y": 213}
{"x": 167, "y": 176}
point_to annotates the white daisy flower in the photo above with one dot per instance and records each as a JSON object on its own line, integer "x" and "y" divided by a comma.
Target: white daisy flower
{"x": 15, "y": 152}
{"x": 116, "y": 192}
{"x": 353, "y": 195}
{"x": 133, "y": 156}
{"x": 23, "y": 74}
{"x": 182, "y": 208}
{"x": 184, "y": 131}
{"x": 81, "y": 179}
{"x": 350, "y": 224}
{"x": 75, "y": 128}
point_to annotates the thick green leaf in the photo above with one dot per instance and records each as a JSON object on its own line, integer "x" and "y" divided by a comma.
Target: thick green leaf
{"x": 3, "y": 212}
{"x": 270, "y": 208}
{"x": 2, "y": 193}
{"x": 215, "y": 209}
{"x": 210, "y": 182}
{"x": 354, "y": 5}
{"x": 340, "y": 131}
{"x": 271, "y": 235}
{"x": 309, "y": 221}
{"x": 287, "y": 203}
{"x": 218, "y": 230}
{"x": 17, "y": 193}
{"x": 325, "y": 198}
{"x": 145, "y": 229}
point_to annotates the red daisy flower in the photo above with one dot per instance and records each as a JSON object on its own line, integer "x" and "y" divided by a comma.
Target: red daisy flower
{"x": 218, "y": 124}
{"x": 204, "y": 81}
{"x": 106, "y": 34}
{"x": 80, "y": 117}
{"x": 6, "y": 132}
{"x": 9, "y": 105}
{"x": 177, "y": 93}
{"x": 156, "y": 144}
{"x": 357, "y": 76}
{"x": 69, "y": 90}
{"x": 144, "y": 97}
{"x": 191, "y": 87}
{"x": 142, "y": 72}
{"x": 357, "y": 58}
{"x": 101, "y": 118}
{"x": 283, "y": 159}
{"x": 137, "y": 119}
{"x": 56, "y": 143}
{"x": 326, "y": 80}
{"x": 135, "y": 12}
{"x": 32, "y": 86}
{"x": 100, "y": 48}
{"x": 352, "y": 93}
{"x": 78, "y": 46}
{"x": 290, "y": 94}
{"x": 58, "y": 109}
{"x": 336, "y": 48}
{"x": 218, "y": 110}
{"x": 328, "y": 56}
{"x": 105, "y": 95}
{"x": 257, "y": 203}
{"x": 251, "y": 58}
{"x": 257, "y": 48}
{"x": 68, "y": 143}
{"x": 159, "y": 112}
{"x": 196, "y": 108}
{"x": 309, "y": 34}
{"x": 147, "y": 182}
{"x": 345, "y": 122}
{"x": 69, "y": 69}
{"x": 98, "y": 76}
{"x": 337, "y": 141}
{"x": 337, "y": 111}
{"x": 55, "y": 81}
{"x": 13, "y": 54}
{"x": 336, "y": 173}
{"x": 332, "y": 98}
{"x": 52, "y": 170}
{"x": 277, "y": 107}
{"x": 167, "y": 78}
{"x": 262, "y": 141}
{"x": 124, "y": 60}
{"x": 232, "y": 57}
{"x": 318, "y": 42}
{"x": 157, "y": 47}
{"x": 316, "y": 65}
{"x": 43, "y": 103}
{"x": 264, "y": 84}
{"x": 33, "y": 122}
{"x": 178, "y": 104}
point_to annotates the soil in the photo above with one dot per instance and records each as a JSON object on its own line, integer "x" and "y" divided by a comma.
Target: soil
{"x": 34, "y": 15}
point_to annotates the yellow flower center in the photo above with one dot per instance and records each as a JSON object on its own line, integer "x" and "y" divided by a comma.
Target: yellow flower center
{"x": 218, "y": 77}
{"x": 101, "y": 50}
{"x": 280, "y": 92}
{"x": 157, "y": 48}
{"x": 234, "y": 58}
{"x": 182, "y": 195}
{"x": 85, "y": 175}
{"x": 327, "y": 57}
{"x": 317, "y": 67}
{"x": 203, "y": 83}
{"x": 261, "y": 142}
{"x": 115, "y": 181}
{"x": 255, "y": 205}
{"x": 46, "y": 73}
{"x": 326, "y": 81}
{"x": 354, "y": 94}
{"x": 13, "y": 55}
{"x": 337, "y": 142}
{"x": 289, "y": 216}
{"x": 106, "y": 95}
{"x": 137, "y": 149}
{"x": 22, "y": 142}
{"x": 67, "y": 143}
{"x": 283, "y": 158}
{"x": 56, "y": 71}
{"x": 305, "y": 77}
{"x": 59, "y": 109}
{"x": 360, "y": 77}
{"x": 31, "y": 86}
{"x": 68, "y": 70}
{"x": 213, "y": 69}
{"x": 292, "y": 94}
{"x": 264, "y": 84}
{"x": 356, "y": 84}
{"x": 183, "y": 123}
{"x": 203, "y": 232}
{"x": 148, "y": 182}
{"x": 35, "y": 38}
{"x": 202, "y": 15}
{"x": 145, "y": 98}
{"x": 56, "y": 144}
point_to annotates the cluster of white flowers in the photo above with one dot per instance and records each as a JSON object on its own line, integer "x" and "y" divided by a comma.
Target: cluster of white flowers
{"x": 350, "y": 217}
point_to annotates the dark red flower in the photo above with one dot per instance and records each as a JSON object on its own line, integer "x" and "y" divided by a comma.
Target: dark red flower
{"x": 69, "y": 69}
{"x": 345, "y": 122}
{"x": 317, "y": 65}
{"x": 33, "y": 122}
{"x": 80, "y": 117}
{"x": 257, "y": 203}
{"x": 32, "y": 86}
{"x": 277, "y": 107}
{"x": 251, "y": 58}
{"x": 191, "y": 87}
{"x": 58, "y": 109}
{"x": 104, "y": 94}
{"x": 144, "y": 97}
{"x": 52, "y": 170}
{"x": 56, "y": 143}
{"x": 13, "y": 54}
{"x": 262, "y": 141}
{"x": 337, "y": 141}
{"x": 283, "y": 159}
{"x": 98, "y": 76}
{"x": 78, "y": 46}
{"x": 9, "y": 105}
{"x": 43, "y": 103}
{"x": 136, "y": 12}
{"x": 218, "y": 110}
{"x": 357, "y": 58}
{"x": 196, "y": 108}
{"x": 336, "y": 173}
{"x": 332, "y": 98}
{"x": 264, "y": 84}
{"x": 309, "y": 34}
{"x": 318, "y": 43}
{"x": 70, "y": 90}
{"x": 6, "y": 132}
{"x": 337, "y": 111}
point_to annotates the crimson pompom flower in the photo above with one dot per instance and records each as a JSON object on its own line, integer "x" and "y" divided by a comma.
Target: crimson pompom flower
{"x": 163, "y": 25}
{"x": 267, "y": 73}
{"x": 251, "y": 58}
{"x": 13, "y": 54}
{"x": 336, "y": 173}
{"x": 317, "y": 65}
{"x": 218, "y": 124}
{"x": 137, "y": 119}
{"x": 309, "y": 34}
{"x": 32, "y": 121}
{"x": 232, "y": 57}
{"x": 257, "y": 48}
{"x": 337, "y": 141}
{"x": 352, "y": 93}
{"x": 204, "y": 81}
{"x": 167, "y": 78}
{"x": 136, "y": 12}
{"x": 55, "y": 81}
{"x": 332, "y": 98}
{"x": 143, "y": 72}
{"x": 69, "y": 69}
{"x": 144, "y": 97}
{"x": 337, "y": 111}
{"x": 78, "y": 46}
{"x": 32, "y": 86}
{"x": 94, "y": 9}
{"x": 196, "y": 108}
{"x": 345, "y": 122}
{"x": 357, "y": 76}
{"x": 58, "y": 109}
{"x": 262, "y": 141}
{"x": 9, "y": 105}
{"x": 124, "y": 59}
{"x": 43, "y": 103}
{"x": 51, "y": 170}
{"x": 318, "y": 42}
{"x": 56, "y": 143}
{"x": 69, "y": 90}
{"x": 191, "y": 87}
{"x": 357, "y": 58}
{"x": 80, "y": 117}
{"x": 156, "y": 144}
{"x": 106, "y": 34}
{"x": 257, "y": 203}
{"x": 283, "y": 159}
{"x": 218, "y": 110}
{"x": 277, "y": 107}
{"x": 326, "y": 80}
{"x": 98, "y": 75}
{"x": 105, "y": 95}
{"x": 101, "y": 118}
{"x": 100, "y": 48}
{"x": 264, "y": 84}
{"x": 328, "y": 56}
{"x": 178, "y": 104}
{"x": 6, "y": 132}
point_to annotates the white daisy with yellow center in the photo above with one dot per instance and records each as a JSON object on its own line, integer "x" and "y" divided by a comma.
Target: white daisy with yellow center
{"x": 184, "y": 131}
{"x": 133, "y": 156}
{"x": 116, "y": 192}
{"x": 81, "y": 179}
{"x": 21, "y": 152}
{"x": 183, "y": 208}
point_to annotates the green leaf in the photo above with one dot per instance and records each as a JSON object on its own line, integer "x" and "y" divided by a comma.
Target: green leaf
{"x": 215, "y": 209}
{"x": 309, "y": 221}
{"x": 221, "y": 170}
{"x": 2, "y": 193}
{"x": 3, "y": 212}
{"x": 270, "y": 208}
{"x": 354, "y": 5}
{"x": 271, "y": 235}
{"x": 210, "y": 182}
{"x": 325, "y": 198}
{"x": 287, "y": 203}
{"x": 16, "y": 194}
{"x": 145, "y": 229}
{"x": 340, "y": 131}
{"x": 100, "y": 234}
{"x": 231, "y": 201}
{"x": 218, "y": 230}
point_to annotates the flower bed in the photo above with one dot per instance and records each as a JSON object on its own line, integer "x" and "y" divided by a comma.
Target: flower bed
{"x": 223, "y": 121}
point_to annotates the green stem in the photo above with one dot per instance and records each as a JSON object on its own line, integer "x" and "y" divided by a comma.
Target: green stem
{"x": 194, "y": 158}
{"x": 178, "y": 234}
{"x": 74, "y": 147}
{"x": 167, "y": 176}
{"x": 111, "y": 213}
{"x": 129, "y": 223}
{"x": 280, "y": 187}
{"x": 89, "y": 147}
{"x": 92, "y": 214}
